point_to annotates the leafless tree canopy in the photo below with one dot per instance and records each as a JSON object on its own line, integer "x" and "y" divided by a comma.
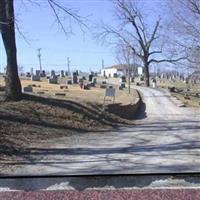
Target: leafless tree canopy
{"x": 185, "y": 15}
{"x": 8, "y": 24}
{"x": 135, "y": 33}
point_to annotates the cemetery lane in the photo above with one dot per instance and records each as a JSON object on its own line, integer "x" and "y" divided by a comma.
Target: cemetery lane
{"x": 165, "y": 138}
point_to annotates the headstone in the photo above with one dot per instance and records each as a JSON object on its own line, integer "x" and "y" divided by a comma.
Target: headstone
{"x": 28, "y": 74}
{"x": 53, "y": 73}
{"x": 53, "y": 80}
{"x": 35, "y": 78}
{"x": 140, "y": 71}
{"x": 94, "y": 80}
{"x": 103, "y": 85}
{"x": 90, "y": 77}
{"x": 28, "y": 89}
{"x": 92, "y": 84}
{"x": 123, "y": 85}
{"x": 69, "y": 82}
{"x": 75, "y": 78}
{"x": 66, "y": 73}
{"x": 63, "y": 87}
{"x": 37, "y": 72}
{"x": 62, "y": 74}
{"x": 81, "y": 82}
{"x": 43, "y": 74}
{"x": 60, "y": 94}
{"x": 32, "y": 72}
{"x": 40, "y": 92}
{"x": 86, "y": 86}
{"x": 154, "y": 83}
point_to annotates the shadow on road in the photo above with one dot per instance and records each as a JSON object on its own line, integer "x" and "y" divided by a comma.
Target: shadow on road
{"x": 141, "y": 112}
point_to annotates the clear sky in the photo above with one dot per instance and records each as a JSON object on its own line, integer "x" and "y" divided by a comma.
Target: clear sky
{"x": 39, "y": 27}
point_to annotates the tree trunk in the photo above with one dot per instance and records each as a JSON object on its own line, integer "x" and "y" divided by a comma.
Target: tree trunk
{"x": 146, "y": 74}
{"x": 13, "y": 85}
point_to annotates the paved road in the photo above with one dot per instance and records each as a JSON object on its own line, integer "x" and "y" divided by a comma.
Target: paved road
{"x": 166, "y": 138}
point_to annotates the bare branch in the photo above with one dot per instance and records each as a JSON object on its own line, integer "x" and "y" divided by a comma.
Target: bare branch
{"x": 154, "y": 52}
{"x": 166, "y": 60}
{"x": 153, "y": 36}
{"x": 54, "y": 5}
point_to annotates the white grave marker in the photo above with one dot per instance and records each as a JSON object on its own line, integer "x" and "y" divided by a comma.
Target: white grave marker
{"x": 140, "y": 71}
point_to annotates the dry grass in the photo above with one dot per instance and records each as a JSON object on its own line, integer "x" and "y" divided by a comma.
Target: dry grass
{"x": 74, "y": 92}
{"x": 192, "y": 101}
{"x": 37, "y": 119}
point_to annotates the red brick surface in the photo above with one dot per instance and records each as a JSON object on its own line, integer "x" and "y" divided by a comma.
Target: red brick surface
{"x": 136, "y": 194}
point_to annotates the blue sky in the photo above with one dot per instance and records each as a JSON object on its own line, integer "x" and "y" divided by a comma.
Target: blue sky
{"x": 39, "y": 27}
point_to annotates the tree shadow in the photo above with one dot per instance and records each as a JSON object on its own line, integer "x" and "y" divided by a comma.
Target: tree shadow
{"x": 93, "y": 111}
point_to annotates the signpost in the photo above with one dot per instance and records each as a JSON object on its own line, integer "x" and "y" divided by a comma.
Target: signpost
{"x": 110, "y": 92}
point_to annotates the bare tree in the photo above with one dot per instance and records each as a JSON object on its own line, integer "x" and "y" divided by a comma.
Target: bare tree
{"x": 134, "y": 32}
{"x": 7, "y": 28}
{"x": 125, "y": 55}
{"x": 185, "y": 15}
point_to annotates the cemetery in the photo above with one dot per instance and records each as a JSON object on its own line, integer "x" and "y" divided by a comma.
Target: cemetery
{"x": 184, "y": 89}
{"x": 50, "y": 111}
{"x": 187, "y": 92}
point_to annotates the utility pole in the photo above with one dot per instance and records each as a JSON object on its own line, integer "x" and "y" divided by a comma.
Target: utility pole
{"x": 39, "y": 57}
{"x": 102, "y": 63}
{"x": 68, "y": 65}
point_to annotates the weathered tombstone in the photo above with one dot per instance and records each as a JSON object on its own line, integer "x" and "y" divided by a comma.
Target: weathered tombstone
{"x": 28, "y": 89}
{"x": 60, "y": 94}
{"x": 94, "y": 80}
{"x": 53, "y": 73}
{"x": 40, "y": 92}
{"x": 43, "y": 74}
{"x": 37, "y": 72}
{"x": 63, "y": 87}
{"x": 32, "y": 72}
{"x": 53, "y": 80}
{"x": 81, "y": 82}
{"x": 28, "y": 74}
{"x": 86, "y": 86}
{"x": 92, "y": 84}
{"x": 35, "y": 78}
{"x": 75, "y": 78}
{"x": 154, "y": 83}
{"x": 62, "y": 74}
{"x": 69, "y": 82}
{"x": 103, "y": 85}
{"x": 66, "y": 73}
{"x": 172, "y": 89}
{"x": 90, "y": 78}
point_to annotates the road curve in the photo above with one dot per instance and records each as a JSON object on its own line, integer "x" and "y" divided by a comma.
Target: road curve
{"x": 165, "y": 139}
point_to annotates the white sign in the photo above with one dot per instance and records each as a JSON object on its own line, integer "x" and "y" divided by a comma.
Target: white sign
{"x": 140, "y": 71}
{"x": 110, "y": 92}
